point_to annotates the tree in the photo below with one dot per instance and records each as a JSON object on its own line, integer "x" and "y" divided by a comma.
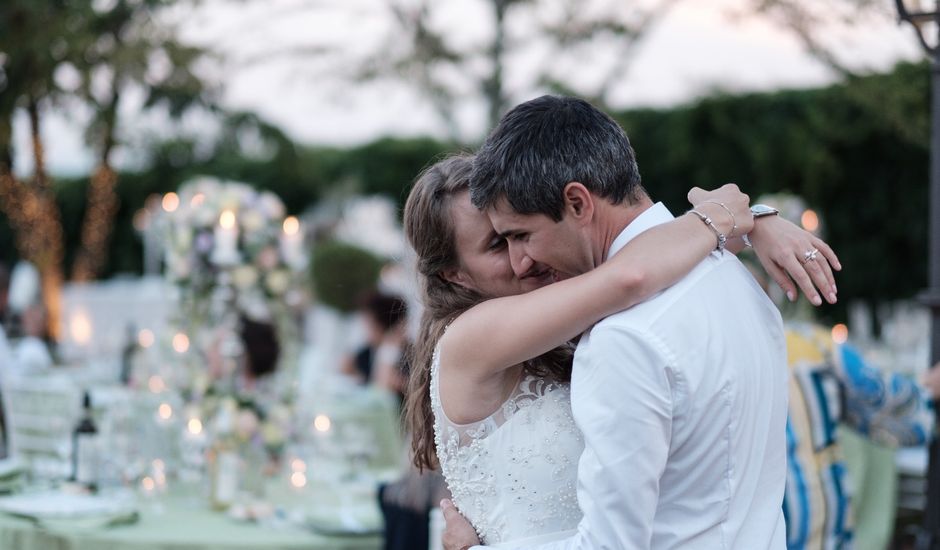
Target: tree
{"x": 30, "y": 54}
{"x": 816, "y": 24}
{"x": 63, "y": 52}
{"x": 126, "y": 47}
{"x": 523, "y": 46}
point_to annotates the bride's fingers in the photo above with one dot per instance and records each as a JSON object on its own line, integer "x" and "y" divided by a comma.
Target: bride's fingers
{"x": 696, "y": 195}
{"x": 783, "y": 281}
{"x": 828, "y": 253}
{"x": 797, "y": 272}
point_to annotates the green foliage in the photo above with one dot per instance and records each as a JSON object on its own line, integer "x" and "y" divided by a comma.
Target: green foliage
{"x": 857, "y": 152}
{"x": 343, "y": 273}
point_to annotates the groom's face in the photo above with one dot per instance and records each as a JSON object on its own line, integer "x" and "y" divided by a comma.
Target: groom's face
{"x": 536, "y": 241}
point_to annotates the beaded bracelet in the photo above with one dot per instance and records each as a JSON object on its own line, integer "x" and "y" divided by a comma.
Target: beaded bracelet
{"x": 734, "y": 223}
{"x": 722, "y": 239}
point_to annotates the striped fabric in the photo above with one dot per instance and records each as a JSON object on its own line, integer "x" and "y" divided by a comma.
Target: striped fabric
{"x": 831, "y": 384}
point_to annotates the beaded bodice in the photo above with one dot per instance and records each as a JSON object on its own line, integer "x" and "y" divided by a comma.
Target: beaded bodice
{"x": 513, "y": 475}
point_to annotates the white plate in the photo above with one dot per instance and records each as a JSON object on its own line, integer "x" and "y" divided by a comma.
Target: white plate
{"x": 58, "y": 505}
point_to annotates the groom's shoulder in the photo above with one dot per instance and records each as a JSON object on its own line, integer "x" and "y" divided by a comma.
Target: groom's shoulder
{"x": 716, "y": 278}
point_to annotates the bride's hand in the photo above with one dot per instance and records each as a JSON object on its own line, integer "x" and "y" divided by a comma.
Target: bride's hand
{"x": 458, "y": 534}
{"x": 727, "y": 206}
{"x": 786, "y": 252}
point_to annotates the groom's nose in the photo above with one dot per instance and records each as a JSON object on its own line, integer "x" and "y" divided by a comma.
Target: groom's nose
{"x": 520, "y": 261}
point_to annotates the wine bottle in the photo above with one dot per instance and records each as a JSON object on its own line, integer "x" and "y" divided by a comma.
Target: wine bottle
{"x": 85, "y": 448}
{"x": 224, "y": 462}
{"x": 128, "y": 354}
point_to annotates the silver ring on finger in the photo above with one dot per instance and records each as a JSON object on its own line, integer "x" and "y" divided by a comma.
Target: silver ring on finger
{"x": 810, "y": 255}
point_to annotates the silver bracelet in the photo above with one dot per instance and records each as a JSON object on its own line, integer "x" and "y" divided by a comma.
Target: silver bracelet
{"x": 734, "y": 223}
{"x": 722, "y": 239}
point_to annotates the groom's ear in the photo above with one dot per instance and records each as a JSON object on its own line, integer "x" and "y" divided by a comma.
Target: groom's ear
{"x": 579, "y": 203}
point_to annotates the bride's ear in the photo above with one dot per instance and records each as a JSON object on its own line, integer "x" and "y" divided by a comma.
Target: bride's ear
{"x": 455, "y": 276}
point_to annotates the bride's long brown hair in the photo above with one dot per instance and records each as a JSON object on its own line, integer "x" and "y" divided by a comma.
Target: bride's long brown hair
{"x": 429, "y": 228}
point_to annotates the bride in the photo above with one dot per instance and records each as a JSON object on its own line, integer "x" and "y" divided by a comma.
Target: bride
{"x": 494, "y": 412}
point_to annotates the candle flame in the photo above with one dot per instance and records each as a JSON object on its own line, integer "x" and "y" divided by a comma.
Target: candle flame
{"x": 145, "y": 338}
{"x": 227, "y": 219}
{"x": 156, "y": 385}
{"x": 194, "y": 426}
{"x": 171, "y": 201}
{"x": 147, "y": 483}
{"x": 298, "y": 479}
{"x": 180, "y": 343}
{"x": 291, "y": 225}
{"x": 81, "y": 328}
{"x": 321, "y": 423}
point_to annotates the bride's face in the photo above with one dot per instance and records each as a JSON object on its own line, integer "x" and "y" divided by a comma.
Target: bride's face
{"x": 484, "y": 257}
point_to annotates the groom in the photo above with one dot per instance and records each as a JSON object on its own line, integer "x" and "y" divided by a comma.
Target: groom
{"x": 682, "y": 399}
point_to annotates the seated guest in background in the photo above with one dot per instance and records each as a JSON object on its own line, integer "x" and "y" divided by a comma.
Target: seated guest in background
{"x": 262, "y": 349}
{"x": 31, "y": 352}
{"x": 256, "y": 358}
{"x": 830, "y": 384}
{"x": 382, "y": 360}
{"x": 4, "y": 293}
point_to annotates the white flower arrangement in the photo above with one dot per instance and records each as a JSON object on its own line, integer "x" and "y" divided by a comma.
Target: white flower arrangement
{"x": 230, "y": 251}
{"x": 232, "y": 229}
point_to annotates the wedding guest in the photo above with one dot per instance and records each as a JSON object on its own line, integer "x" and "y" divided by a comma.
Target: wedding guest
{"x": 31, "y": 353}
{"x": 262, "y": 348}
{"x": 4, "y": 293}
{"x": 831, "y": 383}
{"x": 382, "y": 360}
{"x": 252, "y": 367}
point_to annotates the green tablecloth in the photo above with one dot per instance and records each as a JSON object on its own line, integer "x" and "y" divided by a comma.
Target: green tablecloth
{"x": 182, "y": 522}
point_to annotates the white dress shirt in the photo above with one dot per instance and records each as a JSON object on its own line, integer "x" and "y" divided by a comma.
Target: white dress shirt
{"x": 682, "y": 401}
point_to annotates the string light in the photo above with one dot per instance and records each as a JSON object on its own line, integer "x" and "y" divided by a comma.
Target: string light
{"x": 97, "y": 226}
{"x": 809, "y": 220}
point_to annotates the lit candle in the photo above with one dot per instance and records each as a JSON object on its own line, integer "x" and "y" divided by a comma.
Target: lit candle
{"x": 80, "y": 328}
{"x": 321, "y": 423}
{"x": 226, "y": 240}
{"x": 298, "y": 480}
{"x": 292, "y": 242}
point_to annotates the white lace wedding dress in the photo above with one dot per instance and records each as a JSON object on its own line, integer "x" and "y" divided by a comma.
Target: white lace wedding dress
{"x": 513, "y": 475}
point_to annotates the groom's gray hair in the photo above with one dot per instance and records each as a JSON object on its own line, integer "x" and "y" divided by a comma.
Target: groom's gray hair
{"x": 542, "y": 145}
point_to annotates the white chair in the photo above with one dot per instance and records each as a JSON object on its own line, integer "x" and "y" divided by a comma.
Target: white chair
{"x": 40, "y": 413}
{"x": 436, "y": 530}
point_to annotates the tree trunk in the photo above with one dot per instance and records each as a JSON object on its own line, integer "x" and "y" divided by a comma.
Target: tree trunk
{"x": 493, "y": 86}
{"x": 39, "y": 161}
{"x": 102, "y": 206}
{"x": 39, "y": 234}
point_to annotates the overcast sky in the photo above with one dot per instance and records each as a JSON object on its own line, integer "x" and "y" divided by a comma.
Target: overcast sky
{"x": 697, "y": 49}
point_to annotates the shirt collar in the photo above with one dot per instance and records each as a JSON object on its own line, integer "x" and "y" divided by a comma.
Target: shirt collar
{"x": 651, "y": 217}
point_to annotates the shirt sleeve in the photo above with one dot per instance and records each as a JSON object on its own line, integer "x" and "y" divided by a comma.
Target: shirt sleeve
{"x": 628, "y": 382}
{"x": 886, "y": 407}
